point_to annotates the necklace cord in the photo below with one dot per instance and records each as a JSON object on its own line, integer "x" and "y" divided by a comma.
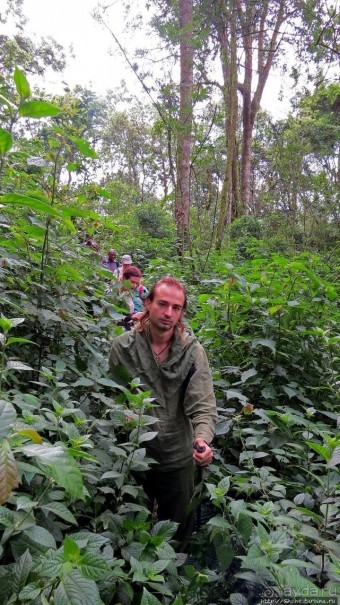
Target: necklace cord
{"x": 162, "y": 351}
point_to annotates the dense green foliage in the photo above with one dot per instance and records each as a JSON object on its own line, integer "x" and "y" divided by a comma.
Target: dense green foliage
{"x": 75, "y": 527}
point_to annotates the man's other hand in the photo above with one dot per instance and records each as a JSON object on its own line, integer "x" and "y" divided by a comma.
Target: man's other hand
{"x": 203, "y": 453}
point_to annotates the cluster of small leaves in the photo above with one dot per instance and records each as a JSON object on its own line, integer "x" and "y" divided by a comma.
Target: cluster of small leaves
{"x": 68, "y": 470}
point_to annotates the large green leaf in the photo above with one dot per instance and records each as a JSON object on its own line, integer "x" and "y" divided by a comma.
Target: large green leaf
{"x": 53, "y": 564}
{"x": 93, "y": 566}
{"x": 21, "y": 84}
{"x": 320, "y": 449}
{"x": 7, "y": 517}
{"x": 76, "y": 590}
{"x": 5, "y": 324}
{"x": 30, "y": 592}
{"x": 149, "y": 599}
{"x": 71, "y": 211}
{"x": 38, "y": 109}
{"x": 93, "y": 541}
{"x": 14, "y": 339}
{"x": 165, "y": 529}
{"x": 309, "y": 513}
{"x": 13, "y": 364}
{"x": 235, "y": 394}
{"x": 66, "y": 272}
{"x": 290, "y": 392}
{"x": 219, "y": 522}
{"x": 29, "y": 202}
{"x": 248, "y": 374}
{"x": 71, "y": 550}
{"x": 60, "y": 510}
{"x": 110, "y": 383}
{"x": 31, "y": 434}
{"x": 63, "y": 467}
{"x": 6, "y": 142}
{"x": 264, "y": 342}
{"x": 21, "y": 571}
{"x": 225, "y": 554}
{"x": 298, "y": 584}
{"x": 7, "y": 417}
{"x": 41, "y": 537}
{"x": 16, "y": 321}
{"x": 244, "y": 526}
{"x": 84, "y": 148}
{"x": 9, "y": 477}
{"x": 79, "y": 453}
{"x": 178, "y": 600}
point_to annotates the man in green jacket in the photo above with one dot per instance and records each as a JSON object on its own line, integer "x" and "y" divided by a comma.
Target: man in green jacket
{"x": 173, "y": 365}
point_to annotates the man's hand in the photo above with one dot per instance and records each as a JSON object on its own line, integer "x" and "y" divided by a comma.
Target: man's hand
{"x": 203, "y": 454}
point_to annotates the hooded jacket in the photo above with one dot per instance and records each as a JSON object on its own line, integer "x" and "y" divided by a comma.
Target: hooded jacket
{"x": 182, "y": 388}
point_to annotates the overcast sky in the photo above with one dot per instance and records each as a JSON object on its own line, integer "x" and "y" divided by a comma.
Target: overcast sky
{"x": 70, "y": 23}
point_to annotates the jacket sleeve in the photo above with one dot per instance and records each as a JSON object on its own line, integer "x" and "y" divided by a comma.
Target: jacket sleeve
{"x": 199, "y": 400}
{"x": 113, "y": 359}
{"x": 120, "y": 369}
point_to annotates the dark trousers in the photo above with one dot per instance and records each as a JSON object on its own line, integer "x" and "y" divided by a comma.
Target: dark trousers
{"x": 172, "y": 491}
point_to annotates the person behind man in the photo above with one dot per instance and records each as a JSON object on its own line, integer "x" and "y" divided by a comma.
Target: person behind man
{"x": 90, "y": 243}
{"x": 137, "y": 291}
{"x": 126, "y": 263}
{"x": 110, "y": 263}
{"x": 134, "y": 296}
{"x": 173, "y": 365}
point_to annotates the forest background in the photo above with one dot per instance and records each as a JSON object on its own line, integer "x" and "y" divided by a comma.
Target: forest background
{"x": 205, "y": 185}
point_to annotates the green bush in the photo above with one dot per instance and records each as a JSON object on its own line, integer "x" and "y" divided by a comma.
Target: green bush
{"x": 270, "y": 328}
{"x": 154, "y": 221}
{"x": 246, "y": 226}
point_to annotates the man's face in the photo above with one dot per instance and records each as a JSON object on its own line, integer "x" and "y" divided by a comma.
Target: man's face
{"x": 111, "y": 255}
{"x": 166, "y": 309}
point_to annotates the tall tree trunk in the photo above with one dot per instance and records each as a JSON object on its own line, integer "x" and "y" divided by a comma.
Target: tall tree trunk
{"x": 182, "y": 202}
{"x": 229, "y": 70}
{"x": 245, "y": 88}
{"x": 254, "y": 31}
{"x": 236, "y": 179}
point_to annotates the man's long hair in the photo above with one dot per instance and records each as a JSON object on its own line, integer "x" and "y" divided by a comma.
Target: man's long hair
{"x": 173, "y": 283}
